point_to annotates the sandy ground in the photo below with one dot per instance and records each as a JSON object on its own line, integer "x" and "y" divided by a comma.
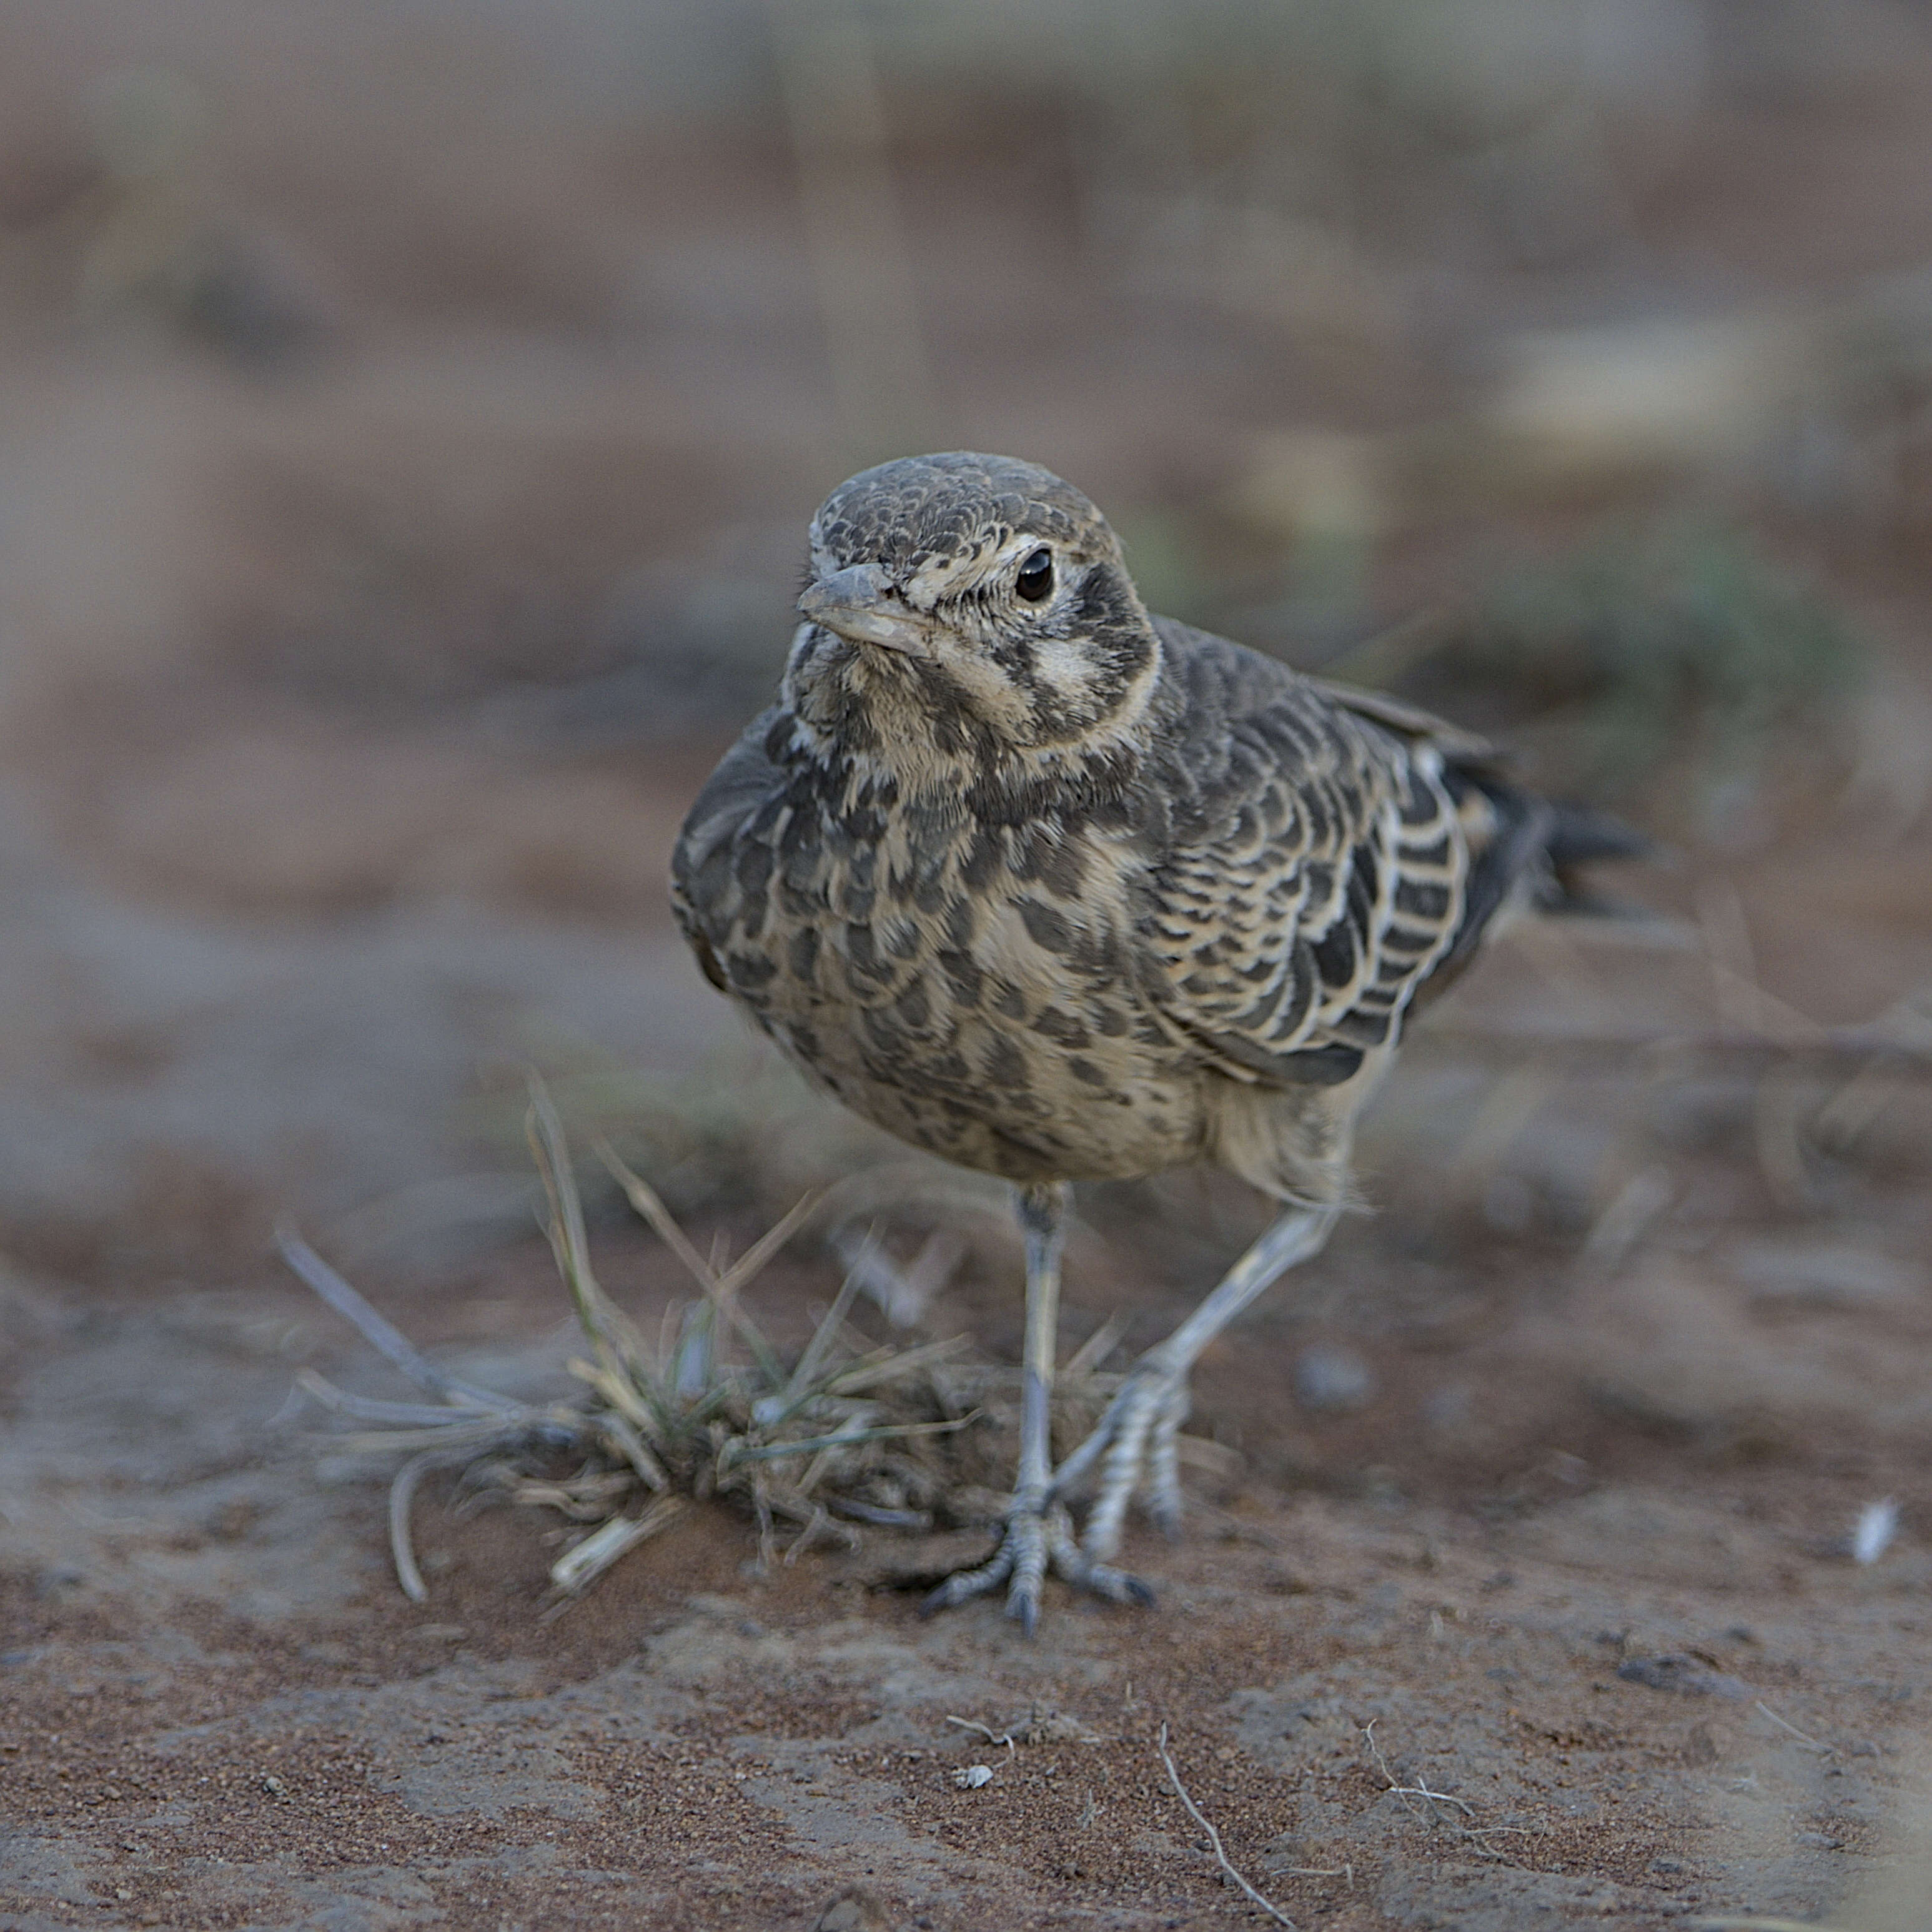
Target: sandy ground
{"x": 348, "y": 705}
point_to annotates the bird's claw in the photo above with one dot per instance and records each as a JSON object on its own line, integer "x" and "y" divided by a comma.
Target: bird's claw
{"x": 1039, "y": 1537}
{"x": 1135, "y": 1445}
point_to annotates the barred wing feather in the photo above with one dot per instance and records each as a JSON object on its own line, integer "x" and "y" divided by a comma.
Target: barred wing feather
{"x": 1318, "y": 869}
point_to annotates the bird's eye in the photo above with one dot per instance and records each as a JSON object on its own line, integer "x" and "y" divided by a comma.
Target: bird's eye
{"x": 1036, "y": 578}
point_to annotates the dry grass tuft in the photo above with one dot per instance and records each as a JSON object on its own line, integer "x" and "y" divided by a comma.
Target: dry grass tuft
{"x": 845, "y": 1435}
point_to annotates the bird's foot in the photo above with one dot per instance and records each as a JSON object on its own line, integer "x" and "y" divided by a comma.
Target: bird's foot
{"x": 1039, "y": 1537}
{"x": 1134, "y": 1445}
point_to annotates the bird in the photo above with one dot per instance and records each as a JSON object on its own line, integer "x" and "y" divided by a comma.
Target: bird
{"x": 1061, "y": 890}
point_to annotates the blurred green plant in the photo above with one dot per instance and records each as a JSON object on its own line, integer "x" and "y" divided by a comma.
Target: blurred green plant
{"x": 1681, "y": 640}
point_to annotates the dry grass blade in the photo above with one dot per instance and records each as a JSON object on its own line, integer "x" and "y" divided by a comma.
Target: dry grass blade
{"x": 483, "y": 1432}
{"x": 799, "y": 1386}
{"x": 846, "y": 1438}
{"x": 365, "y": 1409}
{"x": 616, "y": 1429}
{"x": 622, "y": 1393}
{"x": 752, "y": 1262}
{"x": 1785, "y": 1724}
{"x": 576, "y": 1569}
{"x": 644, "y": 1200}
{"x": 388, "y": 1340}
{"x": 885, "y": 1366}
{"x": 402, "y": 1492}
{"x": 568, "y": 1242}
{"x": 903, "y": 1294}
{"x": 1095, "y": 1350}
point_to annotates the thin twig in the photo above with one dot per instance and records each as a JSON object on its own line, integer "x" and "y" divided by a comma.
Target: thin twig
{"x": 986, "y": 1731}
{"x": 1786, "y": 1724}
{"x": 1194, "y": 1811}
{"x": 1418, "y": 1790}
{"x": 1435, "y": 1799}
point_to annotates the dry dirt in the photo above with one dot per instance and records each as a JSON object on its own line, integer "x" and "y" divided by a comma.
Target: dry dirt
{"x": 347, "y": 707}
{"x": 1579, "y": 1556}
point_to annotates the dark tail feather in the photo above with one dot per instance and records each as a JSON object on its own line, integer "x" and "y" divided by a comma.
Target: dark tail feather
{"x": 1538, "y": 845}
{"x": 1544, "y": 846}
{"x": 1580, "y": 835}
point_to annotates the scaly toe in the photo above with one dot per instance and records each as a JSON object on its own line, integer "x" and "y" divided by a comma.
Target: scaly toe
{"x": 963, "y": 1586}
{"x": 1073, "y": 1566}
{"x": 1166, "y": 1513}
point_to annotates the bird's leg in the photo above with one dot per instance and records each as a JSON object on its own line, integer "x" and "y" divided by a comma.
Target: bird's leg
{"x": 1038, "y": 1534}
{"x": 1136, "y": 1436}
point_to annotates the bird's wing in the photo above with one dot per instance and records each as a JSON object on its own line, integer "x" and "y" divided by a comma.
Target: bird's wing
{"x": 705, "y": 891}
{"x": 1323, "y": 860}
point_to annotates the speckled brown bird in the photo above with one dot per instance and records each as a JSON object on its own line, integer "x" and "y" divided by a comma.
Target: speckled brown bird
{"x": 1062, "y": 891}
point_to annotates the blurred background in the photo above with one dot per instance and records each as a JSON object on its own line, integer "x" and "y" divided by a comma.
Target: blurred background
{"x": 410, "y": 411}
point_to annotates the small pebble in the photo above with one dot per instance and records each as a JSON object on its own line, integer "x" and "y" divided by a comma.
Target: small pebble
{"x": 858, "y": 1908}
{"x": 1331, "y": 1377}
{"x": 1682, "y": 1675}
{"x": 1877, "y": 1524}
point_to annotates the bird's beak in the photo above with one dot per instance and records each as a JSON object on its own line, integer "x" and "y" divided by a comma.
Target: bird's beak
{"x": 859, "y": 604}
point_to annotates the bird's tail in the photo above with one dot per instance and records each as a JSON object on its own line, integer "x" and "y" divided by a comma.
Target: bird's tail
{"x": 1529, "y": 854}
{"x": 1579, "y": 836}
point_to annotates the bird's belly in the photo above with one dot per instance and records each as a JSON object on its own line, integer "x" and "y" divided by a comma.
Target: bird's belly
{"x": 1129, "y": 1122}
{"x": 993, "y": 1091}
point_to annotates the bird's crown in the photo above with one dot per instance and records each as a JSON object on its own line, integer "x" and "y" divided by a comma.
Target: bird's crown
{"x": 950, "y": 509}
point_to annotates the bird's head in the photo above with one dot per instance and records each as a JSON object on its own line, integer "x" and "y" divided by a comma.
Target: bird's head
{"x": 975, "y": 601}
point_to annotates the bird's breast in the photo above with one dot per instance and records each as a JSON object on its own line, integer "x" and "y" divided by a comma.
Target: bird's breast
{"x": 975, "y": 988}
